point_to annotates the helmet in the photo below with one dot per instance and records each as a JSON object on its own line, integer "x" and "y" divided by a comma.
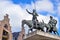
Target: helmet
{"x": 34, "y": 10}
{"x": 51, "y": 17}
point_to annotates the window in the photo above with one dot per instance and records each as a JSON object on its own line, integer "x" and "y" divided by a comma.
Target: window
{"x": 6, "y": 26}
{"x": 5, "y": 33}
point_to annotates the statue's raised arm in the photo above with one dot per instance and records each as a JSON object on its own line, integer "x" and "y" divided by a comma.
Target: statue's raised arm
{"x": 28, "y": 11}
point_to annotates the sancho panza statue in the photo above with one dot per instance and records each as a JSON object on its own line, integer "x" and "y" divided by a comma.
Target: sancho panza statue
{"x": 52, "y": 23}
{"x": 34, "y": 18}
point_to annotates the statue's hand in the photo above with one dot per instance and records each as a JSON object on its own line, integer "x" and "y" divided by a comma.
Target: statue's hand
{"x": 26, "y": 10}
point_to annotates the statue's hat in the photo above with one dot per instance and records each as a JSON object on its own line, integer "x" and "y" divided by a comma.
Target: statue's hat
{"x": 51, "y": 17}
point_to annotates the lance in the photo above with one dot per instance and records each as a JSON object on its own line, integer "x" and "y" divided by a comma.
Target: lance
{"x": 34, "y": 4}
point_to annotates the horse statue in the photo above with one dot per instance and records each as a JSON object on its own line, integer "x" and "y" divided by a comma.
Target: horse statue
{"x": 40, "y": 25}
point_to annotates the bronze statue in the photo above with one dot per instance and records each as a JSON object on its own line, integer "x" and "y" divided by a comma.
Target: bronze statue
{"x": 34, "y": 14}
{"x": 40, "y": 25}
{"x": 35, "y": 24}
{"x": 34, "y": 18}
{"x": 52, "y": 23}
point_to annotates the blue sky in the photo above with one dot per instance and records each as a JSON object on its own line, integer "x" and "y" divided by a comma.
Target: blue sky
{"x": 16, "y": 9}
{"x": 54, "y": 2}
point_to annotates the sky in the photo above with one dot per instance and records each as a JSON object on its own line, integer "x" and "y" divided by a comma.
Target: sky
{"x": 16, "y": 9}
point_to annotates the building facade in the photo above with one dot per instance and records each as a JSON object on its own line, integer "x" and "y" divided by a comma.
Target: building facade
{"x": 19, "y": 35}
{"x": 5, "y": 29}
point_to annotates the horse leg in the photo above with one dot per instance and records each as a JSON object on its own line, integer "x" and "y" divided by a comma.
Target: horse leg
{"x": 50, "y": 31}
{"x": 42, "y": 30}
{"x": 57, "y": 33}
{"x": 47, "y": 30}
{"x": 30, "y": 30}
{"x": 54, "y": 32}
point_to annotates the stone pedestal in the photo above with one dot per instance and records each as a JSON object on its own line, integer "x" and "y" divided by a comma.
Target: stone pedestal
{"x": 38, "y": 35}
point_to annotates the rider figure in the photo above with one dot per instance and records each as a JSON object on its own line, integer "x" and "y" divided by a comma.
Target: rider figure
{"x": 34, "y": 18}
{"x": 52, "y": 22}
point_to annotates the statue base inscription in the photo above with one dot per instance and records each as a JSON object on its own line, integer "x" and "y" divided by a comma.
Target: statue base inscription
{"x": 38, "y": 35}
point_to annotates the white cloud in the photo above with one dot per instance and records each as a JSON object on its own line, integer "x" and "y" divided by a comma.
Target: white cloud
{"x": 13, "y": 11}
{"x": 4, "y": 0}
{"x": 17, "y": 14}
{"x": 58, "y": 10}
{"x": 44, "y": 5}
